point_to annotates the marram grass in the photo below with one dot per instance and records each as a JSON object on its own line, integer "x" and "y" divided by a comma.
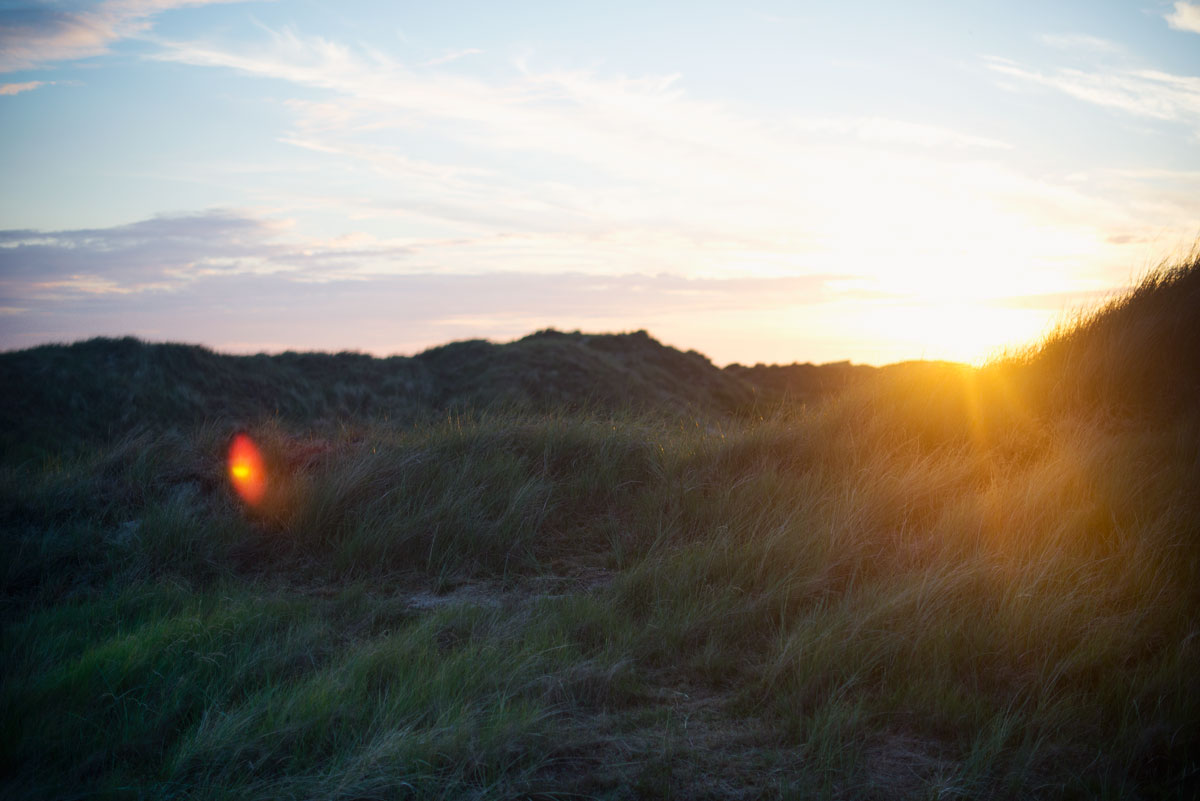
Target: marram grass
{"x": 943, "y": 584}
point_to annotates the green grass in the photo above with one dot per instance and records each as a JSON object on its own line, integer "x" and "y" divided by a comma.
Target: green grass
{"x": 944, "y": 583}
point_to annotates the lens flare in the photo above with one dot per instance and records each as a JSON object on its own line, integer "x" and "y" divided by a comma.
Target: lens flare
{"x": 246, "y": 469}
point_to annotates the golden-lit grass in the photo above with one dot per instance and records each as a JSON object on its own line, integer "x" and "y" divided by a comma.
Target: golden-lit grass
{"x": 945, "y": 582}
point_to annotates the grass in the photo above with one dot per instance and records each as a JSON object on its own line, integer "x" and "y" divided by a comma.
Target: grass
{"x": 941, "y": 583}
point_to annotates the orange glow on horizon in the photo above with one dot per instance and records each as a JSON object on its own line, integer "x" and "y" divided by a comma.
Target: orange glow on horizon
{"x": 246, "y": 469}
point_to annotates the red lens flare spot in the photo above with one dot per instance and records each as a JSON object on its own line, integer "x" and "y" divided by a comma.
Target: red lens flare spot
{"x": 246, "y": 469}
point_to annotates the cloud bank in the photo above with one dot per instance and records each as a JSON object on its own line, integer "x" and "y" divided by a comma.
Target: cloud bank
{"x": 36, "y": 35}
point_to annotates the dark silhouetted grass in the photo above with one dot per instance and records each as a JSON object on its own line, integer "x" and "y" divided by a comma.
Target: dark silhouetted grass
{"x": 944, "y": 582}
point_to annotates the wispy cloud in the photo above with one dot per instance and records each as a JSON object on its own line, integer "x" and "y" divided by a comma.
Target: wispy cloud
{"x": 1141, "y": 92}
{"x": 452, "y": 56}
{"x": 17, "y": 88}
{"x": 1080, "y": 42}
{"x": 615, "y": 167}
{"x": 644, "y": 127}
{"x": 1185, "y": 17}
{"x": 37, "y": 35}
{"x": 164, "y": 254}
{"x": 156, "y": 254}
{"x": 879, "y": 130}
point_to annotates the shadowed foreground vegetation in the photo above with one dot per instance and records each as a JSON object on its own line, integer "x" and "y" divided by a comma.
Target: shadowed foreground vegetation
{"x": 939, "y": 582}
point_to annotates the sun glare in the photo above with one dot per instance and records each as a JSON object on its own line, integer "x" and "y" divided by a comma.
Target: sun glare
{"x": 246, "y": 470}
{"x": 963, "y": 332}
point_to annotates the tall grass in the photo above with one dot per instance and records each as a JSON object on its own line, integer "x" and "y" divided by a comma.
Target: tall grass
{"x": 943, "y": 583}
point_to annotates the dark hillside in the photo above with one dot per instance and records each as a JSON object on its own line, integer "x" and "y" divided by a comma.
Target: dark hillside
{"x": 1141, "y": 352}
{"x": 105, "y": 388}
{"x": 803, "y": 383}
{"x": 102, "y": 389}
{"x": 557, "y": 370}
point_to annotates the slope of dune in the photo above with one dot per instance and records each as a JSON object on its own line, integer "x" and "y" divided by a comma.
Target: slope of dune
{"x": 940, "y": 582}
{"x": 105, "y": 388}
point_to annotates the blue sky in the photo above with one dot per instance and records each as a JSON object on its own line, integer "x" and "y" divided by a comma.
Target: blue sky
{"x": 766, "y": 182}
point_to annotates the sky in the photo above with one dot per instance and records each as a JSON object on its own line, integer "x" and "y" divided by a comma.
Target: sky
{"x": 758, "y": 181}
